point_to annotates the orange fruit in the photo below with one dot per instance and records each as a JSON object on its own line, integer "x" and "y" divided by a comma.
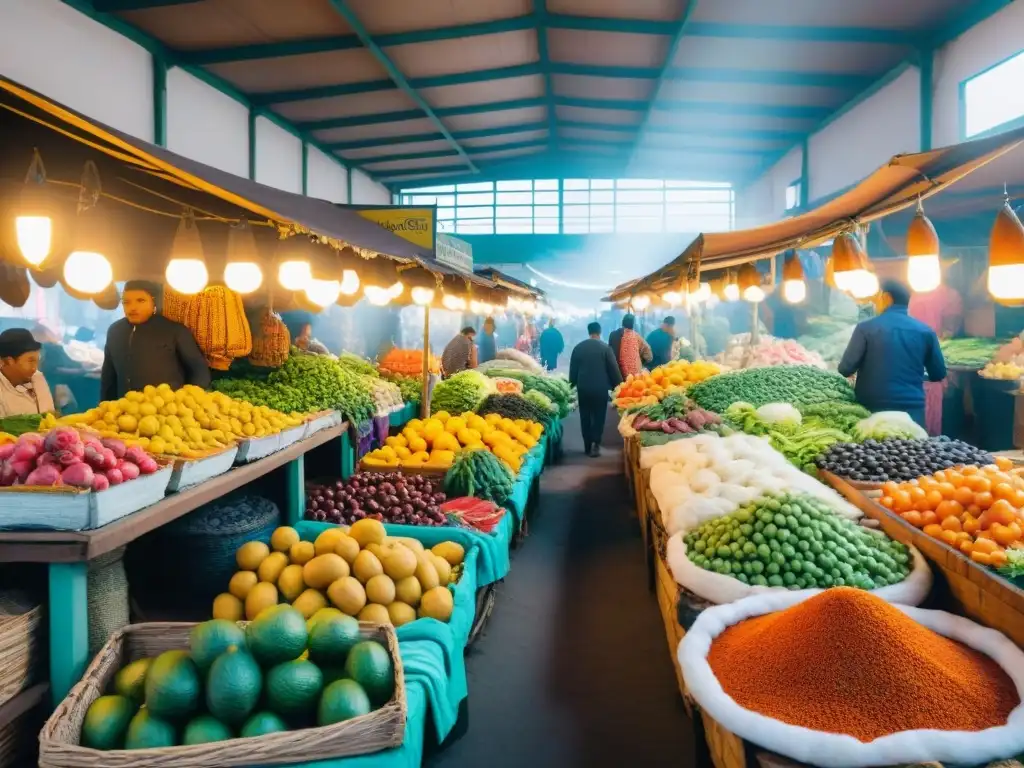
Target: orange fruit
{"x": 1003, "y": 491}
{"x": 964, "y": 495}
{"x": 913, "y": 517}
{"x": 901, "y": 502}
{"x": 951, "y": 524}
{"x": 916, "y": 494}
{"x": 933, "y": 530}
{"x": 947, "y": 490}
{"x": 928, "y": 517}
{"x": 978, "y": 484}
{"x": 932, "y": 499}
{"x": 983, "y": 500}
{"x": 949, "y": 508}
{"x": 949, "y": 537}
{"x": 982, "y": 558}
{"x": 886, "y": 501}
{"x": 1003, "y": 463}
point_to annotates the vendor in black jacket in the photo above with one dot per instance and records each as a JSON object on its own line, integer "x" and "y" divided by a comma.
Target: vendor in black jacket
{"x": 147, "y": 348}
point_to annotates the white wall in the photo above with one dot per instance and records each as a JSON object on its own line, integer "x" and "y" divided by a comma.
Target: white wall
{"x": 205, "y": 125}
{"x": 326, "y": 179}
{"x": 278, "y": 157}
{"x": 985, "y": 44}
{"x": 52, "y": 48}
{"x": 366, "y": 191}
{"x": 886, "y": 124}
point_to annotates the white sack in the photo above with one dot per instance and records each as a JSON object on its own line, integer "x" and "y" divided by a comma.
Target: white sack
{"x": 830, "y": 750}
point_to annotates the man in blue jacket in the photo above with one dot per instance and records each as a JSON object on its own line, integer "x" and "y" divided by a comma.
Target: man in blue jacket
{"x": 891, "y": 354}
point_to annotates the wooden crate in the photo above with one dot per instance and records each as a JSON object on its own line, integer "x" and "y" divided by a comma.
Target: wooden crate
{"x": 667, "y": 592}
{"x": 961, "y": 585}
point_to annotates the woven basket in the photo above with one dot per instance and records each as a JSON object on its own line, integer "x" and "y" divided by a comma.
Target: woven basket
{"x": 20, "y": 651}
{"x": 18, "y": 740}
{"x": 58, "y": 741}
{"x": 108, "y": 598}
{"x": 188, "y": 562}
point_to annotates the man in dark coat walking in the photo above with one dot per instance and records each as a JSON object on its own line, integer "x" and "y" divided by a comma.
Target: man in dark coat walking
{"x": 594, "y": 372}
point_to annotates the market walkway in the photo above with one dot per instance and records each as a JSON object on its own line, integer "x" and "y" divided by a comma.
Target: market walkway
{"x": 573, "y": 669}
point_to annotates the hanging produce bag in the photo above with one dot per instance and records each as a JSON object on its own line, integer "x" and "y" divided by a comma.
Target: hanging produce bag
{"x": 217, "y": 319}
{"x": 271, "y": 341}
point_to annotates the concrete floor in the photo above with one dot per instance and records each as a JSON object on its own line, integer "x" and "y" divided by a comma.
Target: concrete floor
{"x": 573, "y": 668}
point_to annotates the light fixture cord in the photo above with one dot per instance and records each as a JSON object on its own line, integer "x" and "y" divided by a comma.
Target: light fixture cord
{"x": 36, "y": 170}
{"x": 91, "y": 189}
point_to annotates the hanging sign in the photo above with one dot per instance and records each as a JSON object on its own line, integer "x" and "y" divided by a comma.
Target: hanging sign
{"x": 454, "y": 253}
{"x": 413, "y": 224}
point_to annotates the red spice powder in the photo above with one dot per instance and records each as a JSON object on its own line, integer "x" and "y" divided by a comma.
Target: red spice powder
{"x": 847, "y": 662}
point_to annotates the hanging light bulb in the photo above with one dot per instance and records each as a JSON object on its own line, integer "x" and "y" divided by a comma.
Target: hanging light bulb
{"x": 1006, "y": 256}
{"x": 186, "y": 271}
{"x": 242, "y": 273}
{"x": 702, "y": 292}
{"x": 672, "y": 298}
{"x": 396, "y": 290}
{"x": 641, "y": 302}
{"x": 453, "y": 303}
{"x": 864, "y": 285}
{"x": 294, "y": 274}
{"x": 376, "y": 295}
{"x": 749, "y": 281}
{"x": 924, "y": 271}
{"x": 88, "y": 272}
{"x": 349, "y": 282}
{"x": 33, "y": 225}
{"x": 794, "y": 286}
{"x": 476, "y": 307}
{"x": 731, "y": 291}
{"x": 849, "y": 263}
{"x": 422, "y": 296}
{"x": 322, "y": 292}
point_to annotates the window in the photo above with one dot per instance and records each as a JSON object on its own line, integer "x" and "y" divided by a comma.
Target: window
{"x": 793, "y": 193}
{"x": 993, "y": 100}
{"x": 579, "y": 206}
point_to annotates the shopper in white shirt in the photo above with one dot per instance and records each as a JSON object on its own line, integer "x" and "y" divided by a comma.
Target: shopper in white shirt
{"x": 23, "y": 388}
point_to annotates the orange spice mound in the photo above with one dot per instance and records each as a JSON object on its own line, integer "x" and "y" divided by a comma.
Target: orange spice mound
{"x": 847, "y": 662}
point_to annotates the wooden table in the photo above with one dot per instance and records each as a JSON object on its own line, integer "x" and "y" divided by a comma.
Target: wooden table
{"x": 67, "y": 553}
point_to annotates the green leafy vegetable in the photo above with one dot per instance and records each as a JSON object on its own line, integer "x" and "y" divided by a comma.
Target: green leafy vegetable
{"x": 796, "y": 384}
{"x": 459, "y": 393}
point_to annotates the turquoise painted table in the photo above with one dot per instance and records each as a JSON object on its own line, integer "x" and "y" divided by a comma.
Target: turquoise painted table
{"x": 67, "y": 553}
{"x": 402, "y": 417}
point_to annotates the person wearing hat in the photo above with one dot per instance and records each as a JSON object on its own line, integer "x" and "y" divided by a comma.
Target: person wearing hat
{"x": 146, "y": 348}
{"x": 23, "y": 388}
{"x": 891, "y": 354}
{"x": 661, "y": 341}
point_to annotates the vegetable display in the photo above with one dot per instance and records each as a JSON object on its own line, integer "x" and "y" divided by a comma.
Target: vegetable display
{"x": 188, "y": 422}
{"x": 479, "y": 474}
{"x": 969, "y": 352}
{"x": 507, "y": 385}
{"x": 306, "y": 383}
{"x": 408, "y": 362}
{"x": 977, "y": 510}
{"x": 388, "y": 497}
{"x": 770, "y": 351}
{"x": 387, "y": 397}
{"x": 846, "y": 662}
{"x": 410, "y": 387}
{"x": 542, "y": 401}
{"x": 888, "y": 424}
{"x": 274, "y": 675}
{"x": 359, "y": 572}
{"x": 555, "y": 387}
{"x": 19, "y": 425}
{"x": 794, "y": 541}
{"x": 649, "y": 387}
{"x": 521, "y": 359}
{"x": 836, "y": 414}
{"x": 357, "y": 364}
{"x": 513, "y": 406}
{"x": 479, "y": 514}
{"x": 64, "y": 457}
{"x": 461, "y": 392}
{"x": 877, "y": 461}
{"x": 796, "y": 384}
{"x": 801, "y": 443}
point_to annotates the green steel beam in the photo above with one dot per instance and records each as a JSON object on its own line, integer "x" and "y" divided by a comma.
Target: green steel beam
{"x": 159, "y": 102}
{"x": 305, "y": 168}
{"x": 972, "y": 14}
{"x": 927, "y": 91}
{"x": 116, "y": 6}
{"x": 805, "y": 173}
{"x": 800, "y": 33}
{"x": 386, "y": 141}
{"x": 416, "y": 114}
{"x": 252, "y": 144}
{"x": 442, "y": 153}
{"x": 419, "y": 83}
{"x": 673, "y": 48}
{"x": 342, "y": 9}
{"x": 540, "y": 18}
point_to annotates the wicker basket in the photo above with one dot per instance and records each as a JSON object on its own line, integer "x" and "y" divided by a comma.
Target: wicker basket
{"x": 18, "y": 740}
{"x": 20, "y": 650}
{"x": 58, "y": 741}
{"x": 108, "y": 598}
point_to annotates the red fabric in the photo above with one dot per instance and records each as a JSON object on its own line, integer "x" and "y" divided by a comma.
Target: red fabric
{"x": 629, "y": 353}
{"x": 942, "y": 311}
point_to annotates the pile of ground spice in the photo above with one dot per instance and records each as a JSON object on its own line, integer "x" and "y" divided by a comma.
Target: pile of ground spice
{"x": 847, "y": 662}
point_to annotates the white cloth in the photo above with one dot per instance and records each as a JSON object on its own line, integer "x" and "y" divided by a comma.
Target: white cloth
{"x": 17, "y": 401}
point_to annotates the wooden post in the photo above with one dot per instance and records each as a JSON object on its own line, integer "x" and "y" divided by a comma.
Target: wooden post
{"x": 424, "y": 405}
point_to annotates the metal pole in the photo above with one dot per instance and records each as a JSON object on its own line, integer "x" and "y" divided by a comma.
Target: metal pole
{"x": 424, "y": 405}
{"x": 755, "y": 332}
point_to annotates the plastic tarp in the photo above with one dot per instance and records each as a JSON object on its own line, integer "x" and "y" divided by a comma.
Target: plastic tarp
{"x": 893, "y": 187}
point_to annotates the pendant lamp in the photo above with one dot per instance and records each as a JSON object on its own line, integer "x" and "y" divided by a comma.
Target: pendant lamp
{"x": 33, "y": 225}
{"x": 323, "y": 293}
{"x": 86, "y": 269}
{"x": 672, "y": 298}
{"x": 422, "y": 296}
{"x": 794, "y": 285}
{"x": 924, "y": 271}
{"x": 186, "y": 271}
{"x": 750, "y": 284}
{"x": 849, "y": 263}
{"x": 731, "y": 291}
{"x": 242, "y": 273}
{"x": 1006, "y": 257}
{"x": 641, "y": 302}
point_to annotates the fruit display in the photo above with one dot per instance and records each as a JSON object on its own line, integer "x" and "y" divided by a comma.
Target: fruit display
{"x": 1002, "y": 371}
{"x": 798, "y": 385}
{"x": 409, "y": 387}
{"x": 650, "y": 387}
{"x": 769, "y": 351}
{"x": 876, "y": 461}
{"x": 969, "y": 352}
{"x": 65, "y": 457}
{"x": 470, "y": 512}
{"x": 434, "y": 443}
{"x": 359, "y": 571}
{"x": 388, "y": 497}
{"x": 408, "y": 362}
{"x": 515, "y": 406}
{"x": 480, "y": 474}
{"x": 801, "y": 443}
{"x": 976, "y": 509}
{"x": 708, "y": 476}
{"x": 188, "y": 422}
{"x": 460, "y": 392}
{"x": 279, "y": 673}
{"x": 885, "y": 425}
{"x": 306, "y": 384}
{"x": 555, "y": 387}
{"x": 795, "y": 541}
